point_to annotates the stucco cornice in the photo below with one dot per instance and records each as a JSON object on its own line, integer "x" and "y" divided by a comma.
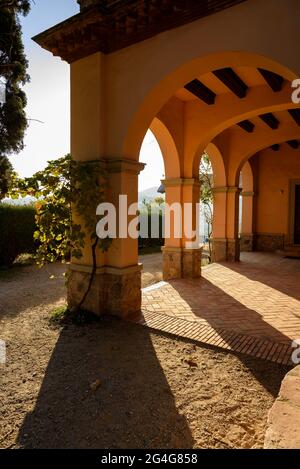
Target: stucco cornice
{"x": 110, "y": 26}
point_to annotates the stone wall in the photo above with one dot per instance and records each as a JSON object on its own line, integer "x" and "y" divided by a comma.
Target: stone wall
{"x": 284, "y": 417}
{"x": 268, "y": 242}
{"x": 225, "y": 250}
{"x": 246, "y": 242}
{"x": 181, "y": 263}
{"x": 114, "y": 291}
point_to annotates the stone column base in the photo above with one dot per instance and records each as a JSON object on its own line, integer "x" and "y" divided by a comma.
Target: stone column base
{"x": 246, "y": 242}
{"x": 225, "y": 250}
{"x": 218, "y": 250}
{"x": 115, "y": 291}
{"x": 181, "y": 263}
{"x": 233, "y": 250}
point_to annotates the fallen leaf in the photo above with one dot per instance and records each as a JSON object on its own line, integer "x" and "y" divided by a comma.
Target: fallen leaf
{"x": 94, "y": 386}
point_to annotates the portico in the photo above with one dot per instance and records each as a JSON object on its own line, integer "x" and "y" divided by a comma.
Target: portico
{"x": 201, "y": 77}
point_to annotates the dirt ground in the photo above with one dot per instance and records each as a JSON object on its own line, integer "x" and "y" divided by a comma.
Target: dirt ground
{"x": 112, "y": 384}
{"x": 152, "y": 269}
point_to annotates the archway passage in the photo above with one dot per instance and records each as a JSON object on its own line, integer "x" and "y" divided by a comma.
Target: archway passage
{"x": 151, "y": 204}
{"x": 199, "y": 86}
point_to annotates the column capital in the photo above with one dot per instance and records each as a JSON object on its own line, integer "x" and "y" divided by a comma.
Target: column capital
{"x": 124, "y": 166}
{"x": 234, "y": 190}
{"x": 117, "y": 165}
{"x": 248, "y": 193}
{"x": 220, "y": 190}
{"x": 226, "y": 189}
{"x": 180, "y": 182}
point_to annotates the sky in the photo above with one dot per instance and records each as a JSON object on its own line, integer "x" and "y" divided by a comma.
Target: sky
{"x": 48, "y": 96}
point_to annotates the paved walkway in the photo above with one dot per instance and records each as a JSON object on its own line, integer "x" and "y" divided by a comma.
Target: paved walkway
{"x": 252, "y": 306}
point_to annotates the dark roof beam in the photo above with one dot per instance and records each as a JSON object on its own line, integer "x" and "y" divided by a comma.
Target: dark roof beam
{"x": 293, "y": 144}
{"x": 201, "y": 91}
{"x": 230, "y": 79}
{"x": 270, "y": 120}
{"x": 295, "y": 114}
{"x": 247, "y": 125}
{"x": 274, "y": 80}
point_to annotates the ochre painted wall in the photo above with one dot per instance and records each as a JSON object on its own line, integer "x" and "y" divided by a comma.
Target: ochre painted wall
{"x": 276, "y": 169}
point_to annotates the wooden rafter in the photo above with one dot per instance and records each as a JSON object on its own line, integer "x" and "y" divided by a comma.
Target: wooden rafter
{"x": 270, "y": 120}
{"x": 230, "y": 79}
{"x": 274, "y": 80}
{"x": 295, "y": 114}
{"x": 293, "y": 144}
{"x": 247, "y": 125}
{"x": 201, "y": 91}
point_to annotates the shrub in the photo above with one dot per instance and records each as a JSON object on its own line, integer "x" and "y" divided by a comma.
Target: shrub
{"x": 17, "y": 226}
{"x": 152, "y": 242}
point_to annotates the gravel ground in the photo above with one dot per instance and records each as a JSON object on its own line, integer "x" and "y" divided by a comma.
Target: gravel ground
{"x": 112, "y": 384}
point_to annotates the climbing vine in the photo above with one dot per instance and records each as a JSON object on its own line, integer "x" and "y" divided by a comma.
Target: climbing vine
{"x": 67, "y": 194}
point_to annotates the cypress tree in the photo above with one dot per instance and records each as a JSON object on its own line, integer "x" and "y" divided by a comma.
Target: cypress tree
{"x": 13, "y": 74}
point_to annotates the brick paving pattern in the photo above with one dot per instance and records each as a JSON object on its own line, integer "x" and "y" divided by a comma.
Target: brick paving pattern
{"x": 251, "y": 307}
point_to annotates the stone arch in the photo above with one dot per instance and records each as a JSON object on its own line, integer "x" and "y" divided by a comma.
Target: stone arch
{"x": 151, "y": 103}
{"x": 247, "y": 177}
{"x": 257, "y": 146}
{"x": 217, "y": 163}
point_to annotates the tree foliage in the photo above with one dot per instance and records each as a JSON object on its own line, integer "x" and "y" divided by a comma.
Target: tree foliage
{"x": 13, "y": 74}
{"x": 6, "y": 173}
{"x": 206, "y": 191}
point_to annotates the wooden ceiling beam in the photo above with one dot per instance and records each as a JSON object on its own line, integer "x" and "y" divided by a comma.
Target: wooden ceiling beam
{"x": 201, "y": 91}
{"x": 247, "y": 125}
{"x": 270, "y": 120}
{"x": 295, "y": 114}
{"x": 230, "y": 79}
{"x": 274, "y": 80}
{"x": 275, "y": 147}
{"x": 293, "y": 144}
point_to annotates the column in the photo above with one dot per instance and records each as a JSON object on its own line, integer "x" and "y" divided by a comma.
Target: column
{"x": 182, "y": 252}
{"x": 219, "y": 240}
{"x": 233, "y": 242}
{"x": 116, "y": 287}
{"x": 225, "y": 240}
{"x": 247, "y": 235}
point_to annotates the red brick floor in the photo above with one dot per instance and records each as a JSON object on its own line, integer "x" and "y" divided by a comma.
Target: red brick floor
{"x": 242, "y": 305}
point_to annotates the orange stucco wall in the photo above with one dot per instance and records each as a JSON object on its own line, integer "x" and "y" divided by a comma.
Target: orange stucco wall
{"x": 276, "y": 169}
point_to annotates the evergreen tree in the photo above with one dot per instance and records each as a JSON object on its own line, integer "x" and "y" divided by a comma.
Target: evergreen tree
{"x": 13, "y": 74}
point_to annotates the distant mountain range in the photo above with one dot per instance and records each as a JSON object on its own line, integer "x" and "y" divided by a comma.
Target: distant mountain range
{"x": 149, "y": 194}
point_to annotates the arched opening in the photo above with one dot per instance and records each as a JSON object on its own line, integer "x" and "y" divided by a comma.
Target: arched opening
{"x": 269, "y": 180}
{"x": 151, "y": 200}
{"x": 185, "y": 121}
{"x": 212, "y": 210}
{"x": 246, "y": 208}
{"x": 157, "y": 94}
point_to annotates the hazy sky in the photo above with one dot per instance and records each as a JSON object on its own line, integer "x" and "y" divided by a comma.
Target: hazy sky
{"x": 49, "y": 102}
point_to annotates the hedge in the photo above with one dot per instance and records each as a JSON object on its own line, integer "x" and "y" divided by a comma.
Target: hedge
{"x": 17, "y": 225}
{"x": 151, "y": 242}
